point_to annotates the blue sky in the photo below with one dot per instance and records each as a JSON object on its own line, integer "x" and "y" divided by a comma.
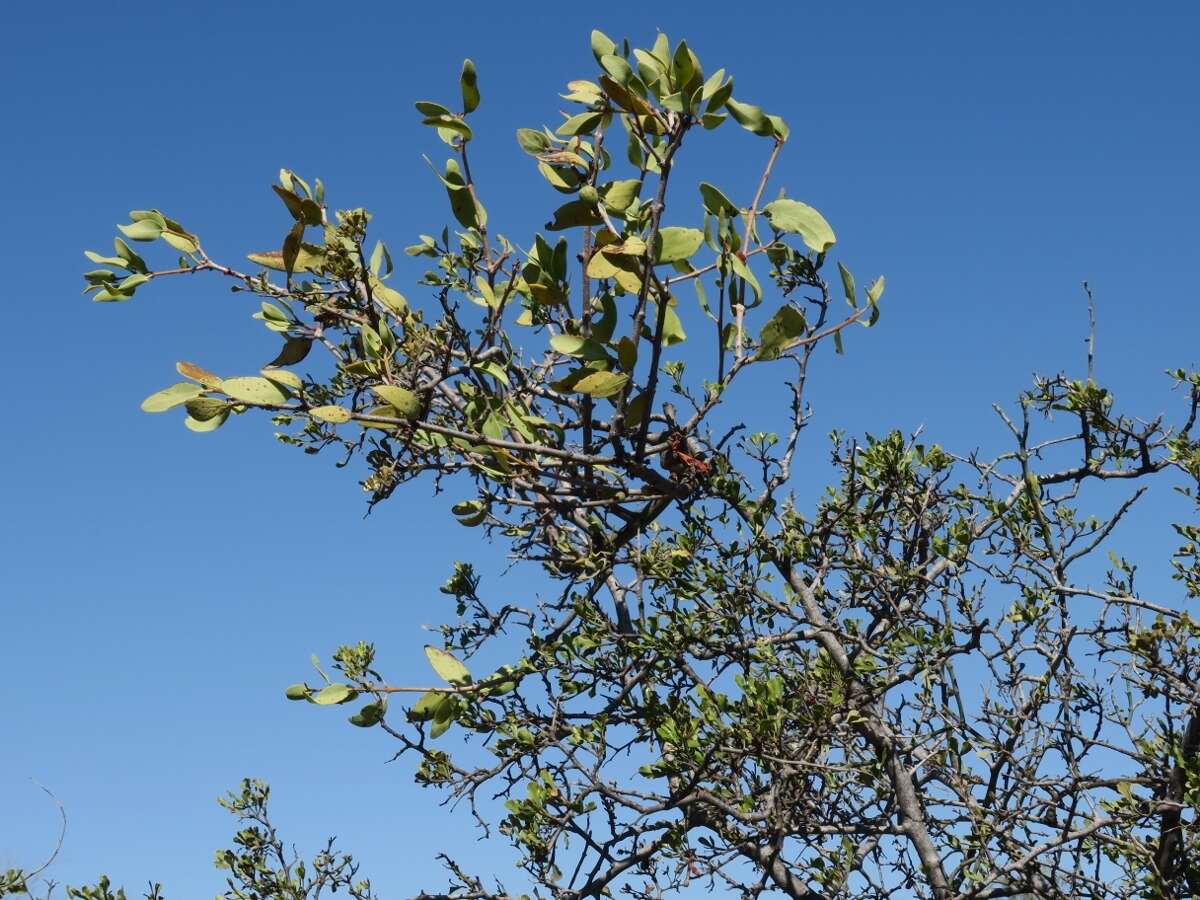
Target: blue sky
{"x": 158, "y": 588}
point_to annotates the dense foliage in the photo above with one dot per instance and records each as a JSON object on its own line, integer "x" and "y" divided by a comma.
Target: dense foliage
{"x": 921, "y": 686}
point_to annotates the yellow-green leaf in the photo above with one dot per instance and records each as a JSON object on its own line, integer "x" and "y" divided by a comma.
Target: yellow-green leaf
{"x": 601, "y": 384}
{"x": 781, "y": 329}
{"x": 284, "y": 377}
{"x": 446, "y": 666}
{"x": 334, "y": 694}
{"x": 294, "y": 350}
{"x": 184, "y": 243}
{"x": 715, "y": 201}
{"x": 469, "y": 82}
{"x": 203, "y": 425}
{"x": 256, "y": 391}
{"x": 619, "y": 194}
{"x": 675, "y": 243}
{"x": 799, "y": 218}
{"x": 427, "y": 706}
{"x": 204, "y": 408}
{"x": 175, "y": 395}
{"x": 335, "y": 415}
{"x": 405, "y": 402}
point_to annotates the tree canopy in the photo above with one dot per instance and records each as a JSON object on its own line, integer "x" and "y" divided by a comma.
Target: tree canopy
{"x": 921, "y": 685}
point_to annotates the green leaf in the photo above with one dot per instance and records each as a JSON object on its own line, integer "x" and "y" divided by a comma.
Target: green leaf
{"x": 446, "y": 666}
{"x": 103, "y": 261}
{"x": 132, "y": 261}
{"x": 272, "y": 316}
{"x": 675, "y": 243}
{"x": 204, "y": 425}
{"x": 567, "y": 344}
{"x": 291, "y": 201}
{"x": 573, "y": 215}
{"x": 309, "y": 258}
{"x": 875, "y": 291}
{"x": 563, "y": 179}
{"x": 743, "y": 271}
{"x": 580, "y": 124}
{"x": 582, "y": 91}
{"x": 469, "y": 82}
{"x": 405, "y": 402}
{"x": 110, "y": 294}
{"x": 673, "y": 332}
{"x": 284, "y": 377}
{"x": 427, "y": 706}
{"x": 204, "y": 408}
{"x": 369, "y": 716}
{"x": 388, "y": 296}
{"x": 175, "y": 395}
{"x": 602, "y": 45}
{"x": 294, "y": 350}
{"x": 429, "y": 108}
{"x": 716, "y": 202}
{"x": 799, "y": 218}
{"x": 618, "y": 195}
{"x": 848, "y": 285}
{"x": 573, "y": 345}
{"x": 627, "y": 354}
{"x": 635, "y": 411}
{"x": 297, "y": 692}
{"x": 100, "y": 276}
{"x": 622, "y": 268}
{"x": 749, "y": 116}
{"x": 272, "y": 313}
{"x": 785, "y": 326}
{"x": 150, "y": 215}
{"x": 713, "y": 83}
{"x": 462, "y": 204}
{"x": 145, "y": 230}
{"x": 532, "y": 141}
{"x": 334, "y": 694}
{"x": 334, "y": 415}
{"x": 291, "y": 248}
{"x": 132, "y": 283}
{"x": 617, "y": 67}
{"x": 601, "y": 384}
{"x": 450, "y": 123}
{"x": 184, "y": 243}
{"x": 381, "y": 259}
{"x": 445, "y": 717}
{"x": 256, "y": 391}
{"x": 470, "y": 513}
{"x": 546, "y": 294}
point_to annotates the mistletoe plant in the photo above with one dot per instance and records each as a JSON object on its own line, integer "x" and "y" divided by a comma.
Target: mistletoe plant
{"x": 915, "y": 688}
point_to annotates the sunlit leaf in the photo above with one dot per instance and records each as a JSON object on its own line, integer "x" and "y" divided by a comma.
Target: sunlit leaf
{"x": 175, "y": 395}
{"x": 795, "y": 217}
{"x": 446, "y": 666}
{"x": 333, "y": 694}
{"x": 601, "y": 384}
{"x": 675, "y": 243}
{"x": 405, "y": 402}
{"x": 253, "y": 390}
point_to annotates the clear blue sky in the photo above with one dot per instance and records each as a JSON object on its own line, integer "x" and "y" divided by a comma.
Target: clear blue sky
{"x": 157, "y": 589}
